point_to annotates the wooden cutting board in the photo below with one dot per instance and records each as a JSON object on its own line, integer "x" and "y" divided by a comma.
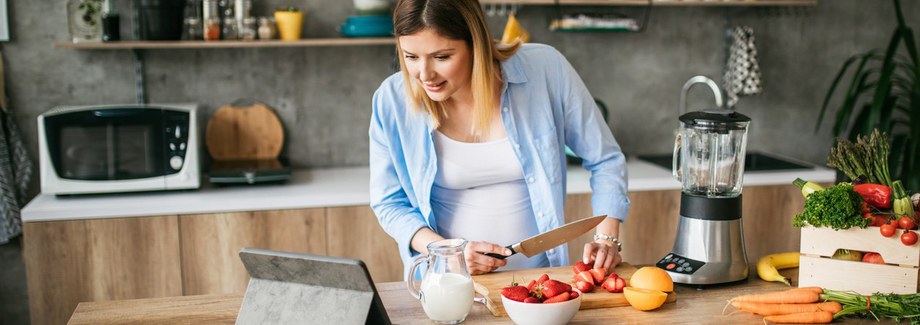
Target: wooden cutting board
{"x": 490, "y": 285}
{"x": 244, "y": 133}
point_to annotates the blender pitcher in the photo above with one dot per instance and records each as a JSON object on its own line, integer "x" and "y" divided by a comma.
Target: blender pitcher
{"x": 446, "y": 292}
{"x": 708, "y": 156}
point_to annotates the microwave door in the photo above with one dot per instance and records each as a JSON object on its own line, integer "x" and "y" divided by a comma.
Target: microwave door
{"x": 112, "y": 147}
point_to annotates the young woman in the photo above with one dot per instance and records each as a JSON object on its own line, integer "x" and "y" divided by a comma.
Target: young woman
{"x": 468, "y": 142}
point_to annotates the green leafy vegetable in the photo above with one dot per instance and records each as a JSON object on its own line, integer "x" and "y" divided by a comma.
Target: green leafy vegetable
{"x": 894, "y": 306}
{"x": 837, "y": 207}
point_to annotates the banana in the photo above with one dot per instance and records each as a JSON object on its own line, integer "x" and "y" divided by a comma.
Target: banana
{"x": 768, "y": 266}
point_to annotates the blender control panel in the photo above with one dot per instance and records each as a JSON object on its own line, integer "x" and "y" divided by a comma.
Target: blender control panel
{"x": 679, "y": 264}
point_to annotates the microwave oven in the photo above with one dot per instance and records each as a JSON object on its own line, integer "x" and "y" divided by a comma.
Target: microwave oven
{"x": 118, "y": 148}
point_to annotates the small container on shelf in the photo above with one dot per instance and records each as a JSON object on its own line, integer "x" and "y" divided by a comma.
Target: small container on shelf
{"x": 230, "y": 32}
{"x": 266, "y": 29}
{"x": 248, "y": 32}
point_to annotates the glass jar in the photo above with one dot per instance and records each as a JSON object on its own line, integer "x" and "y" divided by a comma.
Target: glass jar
{"x": 211, "y": 19}
{"x": 84, "y": 18}
{"x": 265, "y": 29}
{"x": 248, "y": 32}
{"x": 230, "y": 31}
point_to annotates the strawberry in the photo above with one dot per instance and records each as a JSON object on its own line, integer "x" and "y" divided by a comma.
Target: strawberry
{"x": 614, "y": 283}
{"x": 532, "y": 300}
{"x": 542, "y": 279}
{"x": 599, "y": 274}
{"x": 585, "y": 276}
{"x": 558, "y": 298}
{"x": 584, "y": 286}
{"x": 573, "y": 295}
{"x": 516, "y": 293}
{"x": 581, "y": 267}
{"x": 531, "y": 285}
{"x": 552, "y": 288}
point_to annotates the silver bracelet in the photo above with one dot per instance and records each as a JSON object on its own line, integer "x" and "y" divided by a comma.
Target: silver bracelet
{"x": 611, "y": 239}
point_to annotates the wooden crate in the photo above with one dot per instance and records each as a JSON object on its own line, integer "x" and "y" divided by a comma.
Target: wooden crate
{"x": 900, "y": 274}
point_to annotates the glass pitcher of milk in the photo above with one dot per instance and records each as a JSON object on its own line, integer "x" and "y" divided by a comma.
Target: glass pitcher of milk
{"x": 447, "y": 289}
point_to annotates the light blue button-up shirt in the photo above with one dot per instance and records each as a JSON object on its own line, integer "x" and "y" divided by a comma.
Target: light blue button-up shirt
{"x": 545, "y": 106}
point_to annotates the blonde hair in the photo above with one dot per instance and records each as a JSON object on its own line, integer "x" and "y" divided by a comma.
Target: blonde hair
{"x": 458, "y": 20}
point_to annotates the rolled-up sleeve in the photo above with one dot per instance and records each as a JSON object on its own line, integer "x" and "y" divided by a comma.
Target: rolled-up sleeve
{"x": 388, "y": 198}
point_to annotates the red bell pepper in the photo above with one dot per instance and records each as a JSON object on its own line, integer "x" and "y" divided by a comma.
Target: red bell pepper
{"x": 876, "y": 195}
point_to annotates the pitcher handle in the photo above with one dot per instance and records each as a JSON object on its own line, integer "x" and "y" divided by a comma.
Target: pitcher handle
{"x": 410, "y": 284}
{"x": 675, "y": 162}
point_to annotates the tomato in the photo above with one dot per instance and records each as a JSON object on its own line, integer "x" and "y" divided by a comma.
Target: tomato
{"x": 909, "y": 238}
{"x": 887, "y": 230}
{"x": 906, "y": 223}
{"x": 878, "y": 220}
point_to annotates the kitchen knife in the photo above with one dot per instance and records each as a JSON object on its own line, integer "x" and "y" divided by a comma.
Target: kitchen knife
{"x": 542, "y": 242}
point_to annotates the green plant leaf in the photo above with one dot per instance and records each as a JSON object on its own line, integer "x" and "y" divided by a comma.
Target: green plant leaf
{"x": 827, "y": 98}
{"x": 883, "y": 89}
{"x": 856, "y": 89}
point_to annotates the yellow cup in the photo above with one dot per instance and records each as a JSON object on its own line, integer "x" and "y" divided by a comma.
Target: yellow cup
{"x": 289, "y": 24}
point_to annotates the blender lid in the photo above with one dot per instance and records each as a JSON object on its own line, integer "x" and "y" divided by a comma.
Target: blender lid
{"x": 720, "y": 118}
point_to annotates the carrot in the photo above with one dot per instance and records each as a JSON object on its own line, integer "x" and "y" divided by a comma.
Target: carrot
{"x": 818, "y": 290}
{"x": 818, "y": 317}
{"x": 791, "y": 296}
{"x": 783, "y": 309}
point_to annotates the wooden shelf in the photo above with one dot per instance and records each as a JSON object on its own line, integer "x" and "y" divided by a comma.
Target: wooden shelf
{"x": 163, "y": 45}
{"x": 660, "y": 2}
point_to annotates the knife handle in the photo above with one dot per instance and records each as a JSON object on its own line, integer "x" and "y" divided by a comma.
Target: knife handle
{"x": 501, "y": 257}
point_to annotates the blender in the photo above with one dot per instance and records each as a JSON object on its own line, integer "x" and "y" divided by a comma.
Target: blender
{"x": 709, "y": 162}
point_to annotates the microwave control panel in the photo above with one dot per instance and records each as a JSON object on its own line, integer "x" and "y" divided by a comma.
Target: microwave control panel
{"x": 176, "y": 135}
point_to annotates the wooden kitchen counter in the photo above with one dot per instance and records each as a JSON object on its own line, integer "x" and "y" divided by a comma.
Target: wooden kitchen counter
{"x": 692, "y": 306}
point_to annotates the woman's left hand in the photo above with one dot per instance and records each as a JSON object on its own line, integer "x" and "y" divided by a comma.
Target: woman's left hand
{"x": 603, "y": 253}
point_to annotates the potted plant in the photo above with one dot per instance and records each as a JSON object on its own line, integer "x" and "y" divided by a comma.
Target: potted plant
{"x": 290, "y": 23}
{"x": 884, "y": 93}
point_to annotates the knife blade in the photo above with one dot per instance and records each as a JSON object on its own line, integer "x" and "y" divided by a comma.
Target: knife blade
{"x": 542, "y": 242}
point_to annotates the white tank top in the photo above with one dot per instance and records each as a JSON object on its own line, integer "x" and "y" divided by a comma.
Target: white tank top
{"x": 479, "y": 194}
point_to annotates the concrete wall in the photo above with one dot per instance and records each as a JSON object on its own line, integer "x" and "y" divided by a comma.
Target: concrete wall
{"x": 323, "y": 94}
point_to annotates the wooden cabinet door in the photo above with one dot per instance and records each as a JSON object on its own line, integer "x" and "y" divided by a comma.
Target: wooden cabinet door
{"x": 767, "y": 218}
{"x": 68, "y": 262}
{"x": 648, "y": 232}
{"x": 354, "y": 232}
{"x": 211, "y": 244}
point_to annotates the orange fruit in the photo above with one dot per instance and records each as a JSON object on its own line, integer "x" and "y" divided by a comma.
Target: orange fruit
{"x": 652, "y": 278}
{"x": 644, "y": 299}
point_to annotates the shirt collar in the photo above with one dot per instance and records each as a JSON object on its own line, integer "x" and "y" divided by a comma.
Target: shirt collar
{"x": 513, "y": 70}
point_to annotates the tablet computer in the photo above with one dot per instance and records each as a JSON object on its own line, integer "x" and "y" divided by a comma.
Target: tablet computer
{"x": 297, "y": 288}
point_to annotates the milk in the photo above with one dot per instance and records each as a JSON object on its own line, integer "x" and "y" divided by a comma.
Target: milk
{"x": 447, "y": 297}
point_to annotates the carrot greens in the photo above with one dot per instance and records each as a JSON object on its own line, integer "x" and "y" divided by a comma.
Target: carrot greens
{"x": 897, "y": 307}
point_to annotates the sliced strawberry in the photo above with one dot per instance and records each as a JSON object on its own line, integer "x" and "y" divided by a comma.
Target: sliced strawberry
{"x": 614, "y": 284}
{"x": 552, "y": 288}
{"x": 581, "y": 267}
{"x": 584, "y": 286}
{"x": 558, "y": 298}
{"x": 516, "y": 293}
{"x": 599, "y": 274}
{"x": 573, "y": 295}
{"x": 542, "y": 279}
{"x": 584, "y": 276}
{"x": 532, "y": 300}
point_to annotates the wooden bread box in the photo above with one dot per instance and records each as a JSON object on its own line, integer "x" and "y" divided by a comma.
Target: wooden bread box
{"x": 900, "y": 274}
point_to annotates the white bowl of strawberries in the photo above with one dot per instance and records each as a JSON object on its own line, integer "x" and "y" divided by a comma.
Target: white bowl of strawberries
{"x": 543, "y": 301}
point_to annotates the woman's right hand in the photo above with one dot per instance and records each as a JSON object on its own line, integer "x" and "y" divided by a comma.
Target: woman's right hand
{"x": 479, "y": 263}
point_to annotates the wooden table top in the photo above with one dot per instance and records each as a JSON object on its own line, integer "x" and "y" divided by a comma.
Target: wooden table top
{"x": 693, "y": 305}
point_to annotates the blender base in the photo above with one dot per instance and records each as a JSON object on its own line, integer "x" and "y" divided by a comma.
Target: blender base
{"x": 707, "y": 252}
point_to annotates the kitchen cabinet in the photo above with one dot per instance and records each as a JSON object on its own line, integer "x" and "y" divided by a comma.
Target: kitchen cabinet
{"x": 211, "y": 244}
{"x": 103, "y": 259}
{"x": 354, "y": 232}
{"x": 651, "y": 226}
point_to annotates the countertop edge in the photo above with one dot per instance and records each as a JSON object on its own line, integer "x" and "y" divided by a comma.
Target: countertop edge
{"x": 327, "y": 187}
